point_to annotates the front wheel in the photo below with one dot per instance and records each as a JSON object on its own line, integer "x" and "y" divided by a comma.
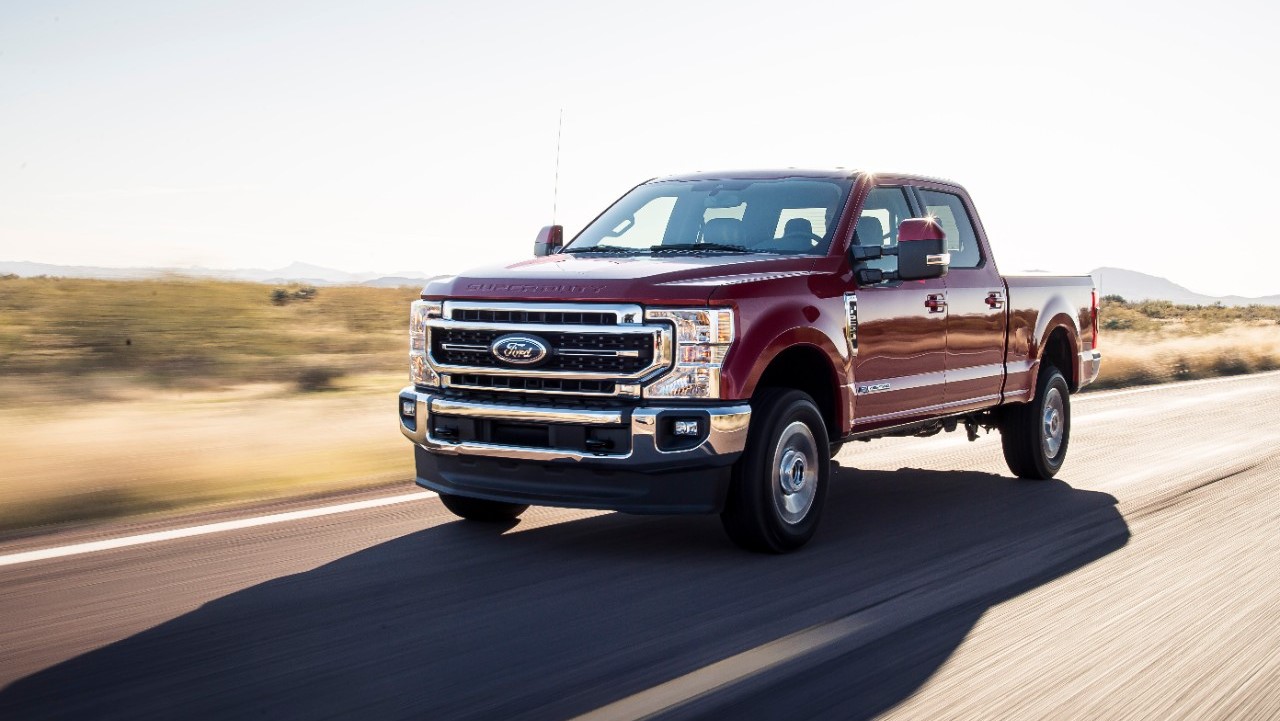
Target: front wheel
{"x": 478, "y": 509}
{"x": 1035, "y": 434}
{"x": 780, "y": 482}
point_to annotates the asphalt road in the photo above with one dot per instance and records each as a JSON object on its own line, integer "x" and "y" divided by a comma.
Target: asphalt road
{"x": 1143, "y": 583}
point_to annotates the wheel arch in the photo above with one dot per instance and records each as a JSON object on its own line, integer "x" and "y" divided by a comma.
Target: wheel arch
{"x": 1058, "y": 350}
{"x": 806, "y": 367}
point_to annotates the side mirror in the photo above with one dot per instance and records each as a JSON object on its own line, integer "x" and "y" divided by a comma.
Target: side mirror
{"x": 922, "y": 249}
{"x": 549, "y": 240}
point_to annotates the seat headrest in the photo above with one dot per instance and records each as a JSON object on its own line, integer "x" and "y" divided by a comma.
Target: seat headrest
{"x": 870, "y": 230}
{"x": 798, "y": 226}
{"x": 722, "y": 230}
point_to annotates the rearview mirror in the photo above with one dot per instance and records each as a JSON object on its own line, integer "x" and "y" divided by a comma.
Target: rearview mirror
{"x": 922, "y": 249}
{"x": 549, "y": 240}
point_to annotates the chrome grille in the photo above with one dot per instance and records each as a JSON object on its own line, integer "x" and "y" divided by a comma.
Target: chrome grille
{"x": 594, "y": 349}
{"x": 596, "y": 352}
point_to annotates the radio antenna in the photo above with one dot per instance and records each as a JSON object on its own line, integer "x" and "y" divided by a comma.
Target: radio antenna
{"x": 555, "y": 193}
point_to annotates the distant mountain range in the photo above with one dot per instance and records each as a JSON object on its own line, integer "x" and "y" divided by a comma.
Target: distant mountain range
{"x": 293, "y": 273}
{"x": 1129, "y": 284}
{"x": 1132, "y": 285}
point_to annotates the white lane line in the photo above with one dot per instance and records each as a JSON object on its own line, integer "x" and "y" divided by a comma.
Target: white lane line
{"x": 76, "y": 549}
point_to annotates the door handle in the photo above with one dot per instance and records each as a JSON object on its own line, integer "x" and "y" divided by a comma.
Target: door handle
{"x": 995, "y": 299}
{"x": 935, "y": 302}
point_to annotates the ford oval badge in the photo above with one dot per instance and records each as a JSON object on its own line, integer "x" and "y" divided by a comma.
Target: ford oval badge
{"x": 519, "y": 349}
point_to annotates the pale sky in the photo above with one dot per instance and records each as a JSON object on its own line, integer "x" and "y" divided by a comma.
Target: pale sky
{"x": 396, "y": 136}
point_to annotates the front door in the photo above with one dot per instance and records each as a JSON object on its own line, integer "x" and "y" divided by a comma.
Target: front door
{"x": 901, "y": 327}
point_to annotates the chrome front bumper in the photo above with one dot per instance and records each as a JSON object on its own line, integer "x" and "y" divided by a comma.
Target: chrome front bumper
{"x": 725, "y": 439}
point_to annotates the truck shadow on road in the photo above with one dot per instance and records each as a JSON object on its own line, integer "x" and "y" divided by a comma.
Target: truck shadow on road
{"x": 466, "y": 621}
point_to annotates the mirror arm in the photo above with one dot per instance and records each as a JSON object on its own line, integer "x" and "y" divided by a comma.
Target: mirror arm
{"x": 872, "y": 276}
{"x": 873, "y": 252}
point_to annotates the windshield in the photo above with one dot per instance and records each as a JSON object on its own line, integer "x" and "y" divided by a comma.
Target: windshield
{"x": 790, "y": 216}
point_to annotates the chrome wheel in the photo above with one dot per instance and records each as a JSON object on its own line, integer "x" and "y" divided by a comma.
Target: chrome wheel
{"x": 795, "y": 472}
{"x": 1054, "y": 423}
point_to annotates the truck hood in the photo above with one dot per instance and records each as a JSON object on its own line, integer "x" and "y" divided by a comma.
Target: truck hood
{"x": 642, "y": 278}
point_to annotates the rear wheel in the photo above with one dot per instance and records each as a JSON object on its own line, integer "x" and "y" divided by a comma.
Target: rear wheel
{"x": 478, "y": 509}
{"x": 780, "y": 482}
{"x": 1035, "y": 434}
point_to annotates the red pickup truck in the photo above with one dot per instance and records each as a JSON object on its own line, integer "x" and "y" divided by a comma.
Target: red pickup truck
{"x": 708, "y": 343}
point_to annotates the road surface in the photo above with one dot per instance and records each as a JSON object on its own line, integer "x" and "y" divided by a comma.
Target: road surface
{"x": 1144, "y": 583}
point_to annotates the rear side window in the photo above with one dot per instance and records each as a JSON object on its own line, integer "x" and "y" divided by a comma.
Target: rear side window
{"x": 962, "y": 241}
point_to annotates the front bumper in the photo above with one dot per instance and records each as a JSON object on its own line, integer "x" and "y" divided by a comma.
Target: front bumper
{"x": 623, "y": 459}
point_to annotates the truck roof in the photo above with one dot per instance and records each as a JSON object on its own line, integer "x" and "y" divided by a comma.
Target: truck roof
{"x": 777, "y": 173}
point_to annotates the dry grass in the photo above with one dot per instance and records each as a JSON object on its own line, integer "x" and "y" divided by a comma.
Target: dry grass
{"x": 1173, "y": 354}
{"x": 212, "y": 333}
{"x": 152, "y": 450}
{"x": 128, "y": 397}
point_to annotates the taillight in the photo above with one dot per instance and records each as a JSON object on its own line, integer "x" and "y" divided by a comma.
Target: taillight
{"x": 1094, "y": 311}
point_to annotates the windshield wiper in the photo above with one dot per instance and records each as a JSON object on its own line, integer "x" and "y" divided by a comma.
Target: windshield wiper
{"x": 604, "y": 249}
{"x": 686, "y": 247}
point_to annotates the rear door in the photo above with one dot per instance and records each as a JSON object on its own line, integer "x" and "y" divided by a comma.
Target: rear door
{"x": 901, "y": 326}
{"x": 976, "y": 301}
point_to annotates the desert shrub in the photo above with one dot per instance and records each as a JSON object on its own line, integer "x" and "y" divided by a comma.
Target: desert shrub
{"x": 1118, "y": 315}
{"x": 318, "y": 378}
{"x": 1230, "y": 363}
{"x": 1184, "y": 369}
{"x": 282, "y": 296}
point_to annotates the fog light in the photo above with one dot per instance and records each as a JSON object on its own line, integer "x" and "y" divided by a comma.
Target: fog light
{"x": 408, "y": 409}
{"x": 686, "y": 428}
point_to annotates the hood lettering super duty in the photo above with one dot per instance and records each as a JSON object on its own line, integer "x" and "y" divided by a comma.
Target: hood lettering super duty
{"x": 535, "y": 288}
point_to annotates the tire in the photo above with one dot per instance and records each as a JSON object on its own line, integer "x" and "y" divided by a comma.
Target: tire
{"x": 1035, "y": 435}
{"x": 779, "y": 484}
{"x": 478, "y": 509}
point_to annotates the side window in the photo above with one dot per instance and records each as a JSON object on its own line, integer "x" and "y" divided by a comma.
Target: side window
{"x": 962, "y": 241}
{"x": 878, "y": 222}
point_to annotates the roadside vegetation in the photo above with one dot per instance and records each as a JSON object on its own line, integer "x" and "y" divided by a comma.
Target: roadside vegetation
{"x": 122, "y": 398}
{"x": 194, "y": 333}
{"x": 128, "y": 398}
{"x": 1159, "y": 342}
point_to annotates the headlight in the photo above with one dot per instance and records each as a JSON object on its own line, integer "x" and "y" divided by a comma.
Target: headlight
{"x": 420, "y": 371}
{"x": 703, "y": 337}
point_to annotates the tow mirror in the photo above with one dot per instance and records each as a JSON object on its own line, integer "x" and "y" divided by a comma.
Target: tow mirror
{"x": 922, "y": 249}
{"x": 549, "y": 240}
